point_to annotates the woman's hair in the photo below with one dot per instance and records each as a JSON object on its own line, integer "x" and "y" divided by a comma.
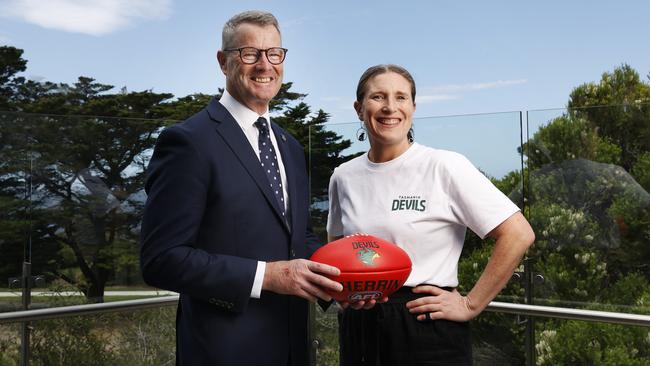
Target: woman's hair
{"x": 382, "y": 69}
{"x": 260, "y": 18}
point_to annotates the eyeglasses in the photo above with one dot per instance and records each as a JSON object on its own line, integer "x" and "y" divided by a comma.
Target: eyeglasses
{"x": 250, "y": 55}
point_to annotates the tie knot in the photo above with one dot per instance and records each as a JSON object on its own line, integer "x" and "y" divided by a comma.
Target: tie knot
{"x": 261, "y": 125}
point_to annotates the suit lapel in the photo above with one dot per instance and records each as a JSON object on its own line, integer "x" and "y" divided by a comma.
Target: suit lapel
{"x": 234, "y": 137}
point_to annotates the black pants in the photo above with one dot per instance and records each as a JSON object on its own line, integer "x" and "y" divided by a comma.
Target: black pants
{"x": 388, "y": 335}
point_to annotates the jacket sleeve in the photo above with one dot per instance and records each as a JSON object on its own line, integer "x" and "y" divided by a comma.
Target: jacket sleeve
{"x": 170, "y": 257}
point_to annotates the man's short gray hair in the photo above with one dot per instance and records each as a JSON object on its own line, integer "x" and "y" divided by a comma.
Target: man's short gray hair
{"x": 256, "y": 17}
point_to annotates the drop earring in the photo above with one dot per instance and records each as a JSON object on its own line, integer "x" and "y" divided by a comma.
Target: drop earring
{"x": 410, "y": 135}
{"x": 361, "y": 134}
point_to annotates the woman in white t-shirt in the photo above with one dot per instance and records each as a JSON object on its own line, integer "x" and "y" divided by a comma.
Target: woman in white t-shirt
{"x": 423, "y": 200}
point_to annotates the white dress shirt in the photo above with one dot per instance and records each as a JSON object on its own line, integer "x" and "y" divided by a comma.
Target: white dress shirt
{"x": 246, "y": 119}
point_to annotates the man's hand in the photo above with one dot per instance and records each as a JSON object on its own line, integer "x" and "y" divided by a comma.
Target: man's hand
{"x": 441, "y": 305}
{"x": 301, "y": 277}
{"x": 361, "y": 304}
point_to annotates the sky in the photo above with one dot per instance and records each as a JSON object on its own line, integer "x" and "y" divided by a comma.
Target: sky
{"x": 467, "y": 57}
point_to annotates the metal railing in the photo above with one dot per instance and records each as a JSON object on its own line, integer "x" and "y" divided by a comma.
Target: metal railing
{"x": 499, "y": 307}
{"x": 77, "y": 310}
{"x": 27, "y": 316}
{"x": 570, "y": 314}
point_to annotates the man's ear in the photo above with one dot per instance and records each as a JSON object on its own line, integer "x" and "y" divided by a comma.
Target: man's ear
{"x": 221, "y": 58}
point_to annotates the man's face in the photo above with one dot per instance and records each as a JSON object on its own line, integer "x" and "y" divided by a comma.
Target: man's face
{"x": 252, "y": 85}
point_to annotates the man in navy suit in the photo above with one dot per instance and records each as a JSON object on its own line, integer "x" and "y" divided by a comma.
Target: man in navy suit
{"x": 226, "y": 221}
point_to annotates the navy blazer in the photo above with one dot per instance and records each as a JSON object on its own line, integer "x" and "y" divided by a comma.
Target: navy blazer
{"x": 210, "y": 217}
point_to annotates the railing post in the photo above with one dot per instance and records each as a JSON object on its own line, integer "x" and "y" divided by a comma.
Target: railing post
{"x": 27, "y": 299}
{"x": 528, "y": 270}
{"x": 311, "y": 334}
{"x": 530, "y": 321}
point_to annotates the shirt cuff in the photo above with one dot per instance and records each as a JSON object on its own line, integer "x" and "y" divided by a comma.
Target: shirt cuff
{"x": 256, "y": 291}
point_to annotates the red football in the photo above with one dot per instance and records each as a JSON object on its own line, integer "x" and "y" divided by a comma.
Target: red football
{"x": 371, "y": 268}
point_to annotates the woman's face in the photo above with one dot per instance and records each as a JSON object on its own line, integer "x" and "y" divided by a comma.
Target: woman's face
{"x": 386, "y": 110}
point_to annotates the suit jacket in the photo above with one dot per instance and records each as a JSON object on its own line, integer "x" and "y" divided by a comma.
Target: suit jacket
{"x": 209, "y": 217}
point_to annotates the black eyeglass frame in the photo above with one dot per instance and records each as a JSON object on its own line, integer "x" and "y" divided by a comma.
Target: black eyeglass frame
{"x": 259, "y": 52}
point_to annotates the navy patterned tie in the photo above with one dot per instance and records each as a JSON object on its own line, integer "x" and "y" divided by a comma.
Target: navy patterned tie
{"x": 270, "y": 162}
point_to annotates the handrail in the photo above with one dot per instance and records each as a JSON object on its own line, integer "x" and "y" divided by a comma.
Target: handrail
{"x": 494, "y": 306}
{"x": 570, "y": 314}
{"x": 76, "y": 310}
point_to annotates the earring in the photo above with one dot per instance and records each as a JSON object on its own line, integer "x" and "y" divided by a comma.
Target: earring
{"x": 361, "y": 134}
{"x": 410, "y": 135}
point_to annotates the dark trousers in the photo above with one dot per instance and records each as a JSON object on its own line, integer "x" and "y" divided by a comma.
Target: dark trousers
{"x": 388, "y": 335}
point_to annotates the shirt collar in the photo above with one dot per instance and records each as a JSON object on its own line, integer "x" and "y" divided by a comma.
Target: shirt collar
{"x": 244, "y": 116}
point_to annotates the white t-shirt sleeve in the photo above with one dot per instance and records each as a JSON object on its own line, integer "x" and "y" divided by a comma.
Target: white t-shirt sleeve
{"x": 474, "y": 200}
{"x": 334, "y": 219}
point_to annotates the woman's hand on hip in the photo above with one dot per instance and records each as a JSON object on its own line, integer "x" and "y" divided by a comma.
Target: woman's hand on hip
{"x": 442, "y": 304}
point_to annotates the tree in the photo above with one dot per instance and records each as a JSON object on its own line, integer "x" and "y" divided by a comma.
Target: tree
{"x": 566, "y": 138}
{"x": 87, "y": 174}
{"x": 84, "y": 150}
{"x": 11, "y": 63}
{"x": 619, "y": 108}
{"x": 591, "y": 218}
{"x": 641, "y": 170}
{"x": 183, "y": 107}
{"x": 588, "y": 202}
{"x": 322, "y": 147}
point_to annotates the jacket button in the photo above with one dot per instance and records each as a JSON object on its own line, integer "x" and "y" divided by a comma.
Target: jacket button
{"x": 293, "y": 253}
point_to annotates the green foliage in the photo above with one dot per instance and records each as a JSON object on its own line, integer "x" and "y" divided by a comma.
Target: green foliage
{"x": 471, "y": 266}
{"x": 592, "y": 220}
{"x": 641, "y": 170}
{"x": 567, "y": 138}
{"x": 326, "y": 331}
{"x": 322, "y": 147}
{"x": 630, "y": 289}
{"x": 284, "y": 98}
{"x": 13, "y": 226}
{"x": 573, "y": 275}
{"x": 511, "y": 182}
{"x": 592, "y": 223}
{"x": 183, "y": 107}
{"x": 11, "y": 63}
{"x": 620, "y": 87}
{"x": 619, "y": 107}
{"x": 9, "y": 344}
{"x": 582, "y": 343}
{"x": 633, "y": 221}
{"x": 85, "y": 176}
{"x": 498, "y": 339}
{"x": 89, "y": 339}
{"x": 558, "y": 226}
{"x": 588, "y": 190}
{"x": 143, "y": 337}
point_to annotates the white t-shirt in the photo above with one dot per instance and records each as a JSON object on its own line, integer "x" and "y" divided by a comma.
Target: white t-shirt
{"x": 423, "y": 201}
